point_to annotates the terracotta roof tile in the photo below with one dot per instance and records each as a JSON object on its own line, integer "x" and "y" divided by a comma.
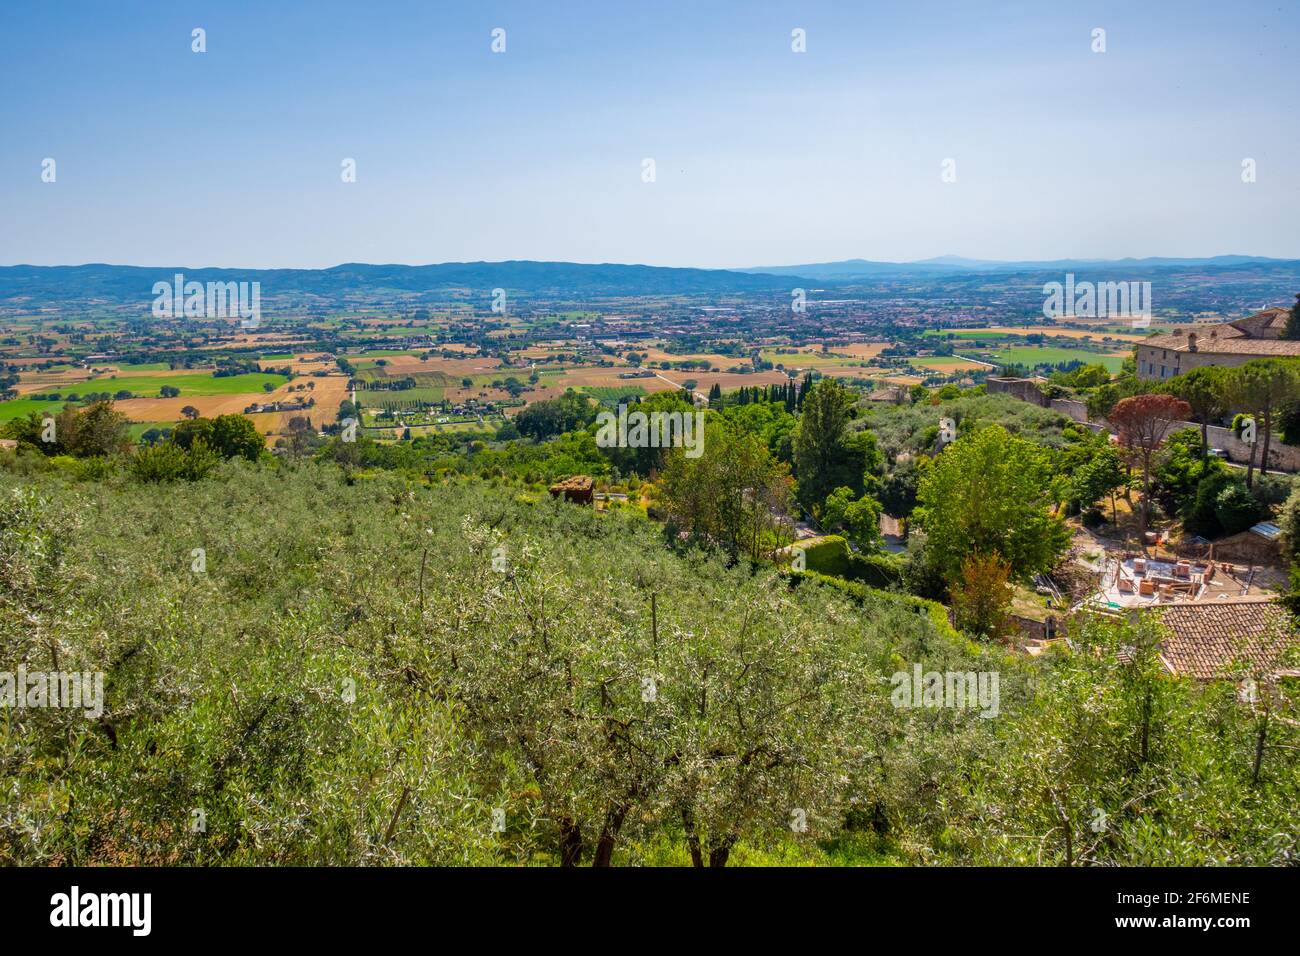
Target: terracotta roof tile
{"x": 1209, "y": 639}
{"x": 1240, "y": 337}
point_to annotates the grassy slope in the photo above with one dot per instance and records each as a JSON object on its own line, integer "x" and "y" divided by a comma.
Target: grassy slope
{"x": 308, "y": 582}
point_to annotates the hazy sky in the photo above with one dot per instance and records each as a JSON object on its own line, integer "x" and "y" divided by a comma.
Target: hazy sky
{"x": 763, "y": 156}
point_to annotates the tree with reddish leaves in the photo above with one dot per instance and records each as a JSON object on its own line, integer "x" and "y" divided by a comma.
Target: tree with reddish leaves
{"x": 1142, "y": 422}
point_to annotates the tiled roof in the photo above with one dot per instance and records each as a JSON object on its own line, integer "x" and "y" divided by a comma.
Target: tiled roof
{"x": 1232, "y": 338}
{"x": 1209, "y": 639}
{"x": 575, "y": 483}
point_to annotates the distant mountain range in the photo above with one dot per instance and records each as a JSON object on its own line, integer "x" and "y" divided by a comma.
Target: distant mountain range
{"x": 28, "y": 286}
{"x": 854, "y": 269}
{"x": 124, "y": 284}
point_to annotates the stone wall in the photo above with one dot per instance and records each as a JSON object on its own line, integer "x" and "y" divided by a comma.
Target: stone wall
{"x": 1280, "y": 457}
{"x": 1248, "y": 548}
{"x": 1025, "y": 389}
{"x": 1076, "y": 410}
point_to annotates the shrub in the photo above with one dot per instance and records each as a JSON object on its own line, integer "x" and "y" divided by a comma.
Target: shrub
{"x": 828, "y": 555}
{"x": 164, "y": 461}
{"x": 877, "y": 570}
{"x": 1236, "y": 508}
{"x": 1290, "y": 523}
{"x": 1222, "y": 505}
{"x": 1272, "y": 489}
{"x": 167, "y": 461}
{"x": 982, "y": 597}
{"x": 932, "y": 611}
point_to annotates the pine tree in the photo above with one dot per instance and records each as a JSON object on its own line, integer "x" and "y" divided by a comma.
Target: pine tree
{"x": 803, "y": 389}
{"x": 1292, "y": 330}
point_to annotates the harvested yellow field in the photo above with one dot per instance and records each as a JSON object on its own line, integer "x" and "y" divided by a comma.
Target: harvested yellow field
{"x": 860, "y": 350}
{"x": 169, "y": 409}
{"x": 655, "y": 355}
{"x": 946, "y": 364}
{"x": 1136, "y": 336}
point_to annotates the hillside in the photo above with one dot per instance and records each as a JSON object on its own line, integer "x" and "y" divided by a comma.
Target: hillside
{"x": 302, "y": 669}
{"x": 119, "y": 284}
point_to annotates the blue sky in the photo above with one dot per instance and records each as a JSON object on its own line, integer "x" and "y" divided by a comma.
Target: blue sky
{"x": 763, "y": 156}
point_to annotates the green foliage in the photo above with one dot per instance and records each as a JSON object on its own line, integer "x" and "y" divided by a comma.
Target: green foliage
{"x": 554, "y": 416}
{"x": 1101, "y": 474}
{"x": 898, "y": 494}
{"x": 989, "y": 492}
{"x": 1288, "y": 422}
{"x": 1112, "y": 762}
{"x": 931, "y": 614}
{"x": 912, "y": 429}
{"x": 877, "y": 570}
{"x": 230, "y": 436}
{"x": 1180, "y": 470}
{"x": 97, "y": 431}
{"x": 827, "y": 555}
{"x": 859, "y": 519}
{"x": 730, "y": 496}
{"x": 1223, "y": 505}
{"x": 769, "y": 421}
{"x": 645, "y": 460}
{"x": 361, "y": 673}
{"x": 1085, "y": 376}
{"x": 168, "y": 461}
{"x": 1273, "y": 489}
{"x": 1236, "y": 508}
{"x": 235, "y": 435}
{"x": 1207, "y": 390}
{"x": 1292, "y": 329}
{"x": 1264, "y": 388}
{"x": 827, "y": 454}
{"x": 1106, "y": 397}
{"x": 1289, "y": 521}
{"x": 980, "y": 602}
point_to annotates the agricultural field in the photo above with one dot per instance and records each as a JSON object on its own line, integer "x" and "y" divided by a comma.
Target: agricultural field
{"x": 1096, "y": 335}
{"x": 804, "y": 359}
{"x": 947, "y": 364}
{"x": 611, "y": 396}
{"x": 1033, "y": 355}
{"x": 19, "y": 407}
{"x": 191, "y": 384}
{"x": 860, "y": 350}
{"x": 400, "y": 398}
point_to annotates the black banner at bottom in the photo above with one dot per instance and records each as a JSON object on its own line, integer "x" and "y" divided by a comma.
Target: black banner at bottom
{"x": 337, "y": 905}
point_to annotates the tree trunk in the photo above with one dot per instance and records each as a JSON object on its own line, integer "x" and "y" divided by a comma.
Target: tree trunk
{"x": 1259, "y": 749}
{"x": 1146, "y": 499}
{"x": 609, "y": 836}
{"x": 692, "y": 839}
{"x": 719, "y": 854}
{"x": 1205, "y": 439}
{"x": 570, "y": 843}
{"x": 1250, "y": 467}
{"x": 1268, "y": 435}
{"x": 1146, "y": 725}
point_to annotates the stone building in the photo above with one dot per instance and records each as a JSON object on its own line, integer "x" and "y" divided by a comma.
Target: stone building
{"x": 1231, "y": 344}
